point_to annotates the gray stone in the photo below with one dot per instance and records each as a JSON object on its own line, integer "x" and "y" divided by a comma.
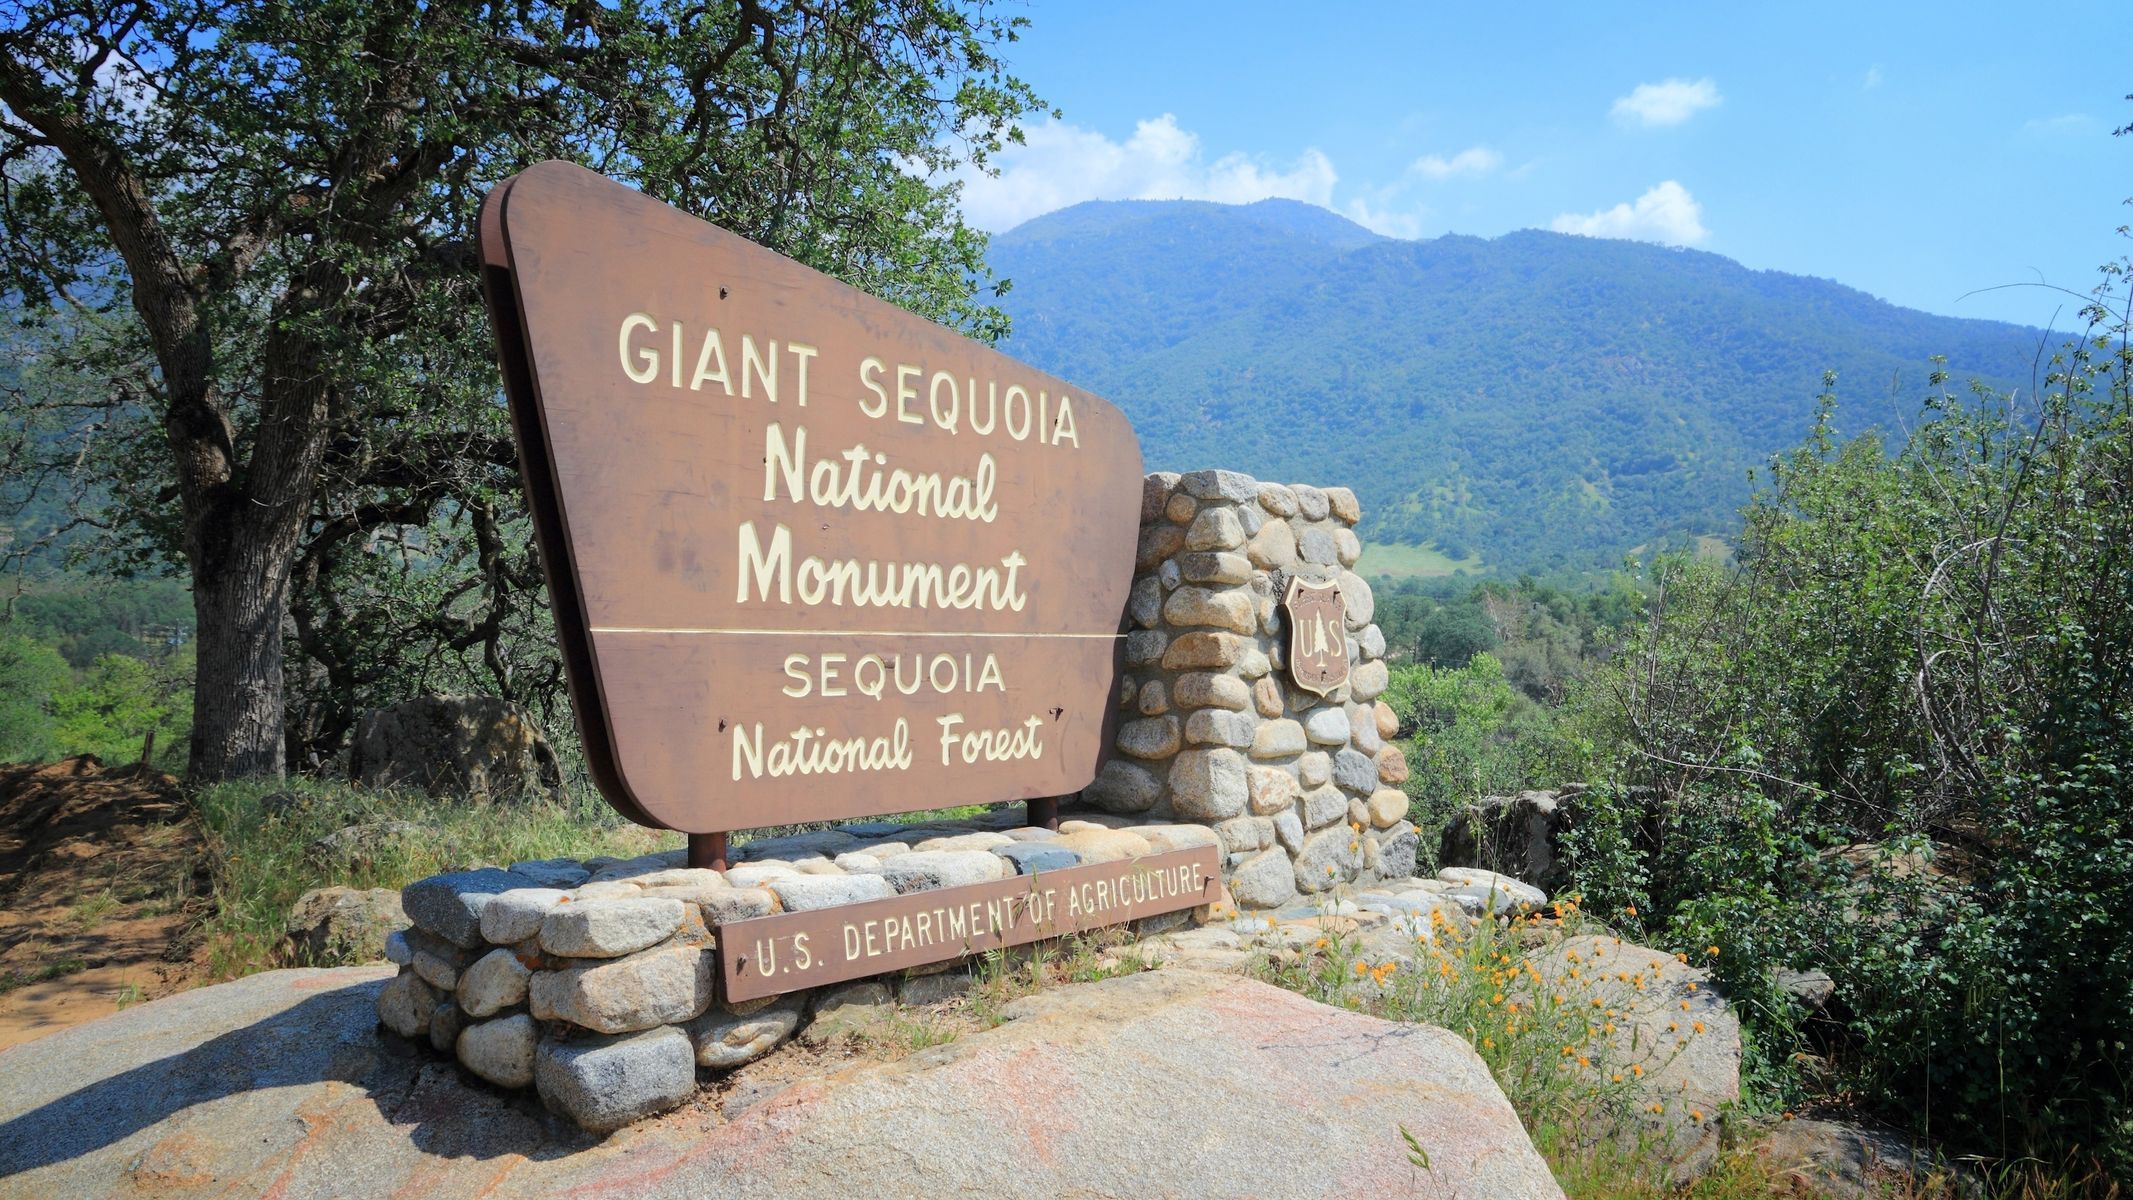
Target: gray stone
{"x": 1124, "y": 787}
{"x": 1220, "y": 727}
{"x": 606, "y": 889}
{"x": 848, "y": 1006}
{"x": 1156, "y": 488}
{"x": 268, "y": 1078}
{"x": 1522, "y": 894}
{"x": 1310, "y": 502}
{"x": 1204, "y": 649}
{"x": 343, "y": 923}
{"x": 450, "y": 905}
{"x": 1154, "y": 699}
{"x": 1518, "y": 835}
{"x": 1372, "y": 642}
{"x": 513, "y": 916}
{"x": 1397, "y": 848}
{"x": 1242, "y": 834}
{"x": 405, "y": 1005}
{"x": 802, "y": 893}
{"x": 1317, "y": 546}
{"x": 1144, "y": 646}
{"x": 1220, "y": 485}
{"x": 1327, "y": 726}
{"x": 665, "y": 986}
{"x": 1264, "y": 880}
{"x": 1163, "y": 839}
{"x": 1215, "y": 529}
{"x": 1342, "y": 504}
{"x": 1273, "y": 548}
{"x": 552, "y": 872}
{"x": 1676, "y": 1027}
{"x": 1278, "y": 739}
{"x": 1289, "y": 831}
{"x": 1368, "y": 681}
{"x": 1278, "y": 500}
{"x": 455, "y": 746}
{"x": 1331, "y": 856}
{"x": 871, "y": 829}
{"x": 445, "y": 1022}
{"x": 755, "y": 874}
{"x": 724, "y": 906}
{"x": 397, "y": 950}
{"x": 724, "y": 1041}
{"x": 1168, "y": 574}
{"x": 500, "y": 1051}
{"x": 796, "y": 846}
{"x": 1100, "y": 845}
{"x": 922, "y": 990}
{"x": 926, "y": 870}
{"x": 1323, "y": 806}
{"x": 1229, "y": 609}
{"x": 983, "y": 839}
{"x": 1145, "y": 602}
{"x": 604, "y": 1083}
{"x": 1361, "y": 606}
{"x": 1314, "y": 769}
{"x": 610, "y": 928}
{"x": 495, "y": 982}
{"x": 1214, "y": 566}
{"x": 1363, "y": 728}
{"x": 1355, "y": 771}
{"x": 1273, "y": 790}
{"x": 1029, "y": 858}
{"x": 1347, "y": 546}
{"x": 439, "y": 967}
{"x": 1208, "y": 785}
{"x": 1205, "y": 690}
{"x": 1150, "y": 737}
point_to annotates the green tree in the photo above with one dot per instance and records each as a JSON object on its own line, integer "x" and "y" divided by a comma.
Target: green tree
{"x": 29, "y": 675}
{"x": 247, "y": 225}
{"x": 1893, "y": 742}
{"x": 119, "y": 702}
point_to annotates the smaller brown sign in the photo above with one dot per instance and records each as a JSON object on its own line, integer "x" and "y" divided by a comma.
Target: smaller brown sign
{"x": 767, "y": 956}
{"x": 1318, "y": 640}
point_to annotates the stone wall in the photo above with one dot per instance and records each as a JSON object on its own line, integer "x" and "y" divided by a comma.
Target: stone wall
{"x": 1303, "y": 790}
{"x": 591, "y": 982}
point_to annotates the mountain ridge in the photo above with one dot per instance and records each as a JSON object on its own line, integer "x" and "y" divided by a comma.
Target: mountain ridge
{"x": 1543, "y": 399}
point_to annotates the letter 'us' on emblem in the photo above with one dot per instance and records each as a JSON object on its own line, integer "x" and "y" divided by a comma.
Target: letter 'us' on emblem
{"x": 1318, "y": 643}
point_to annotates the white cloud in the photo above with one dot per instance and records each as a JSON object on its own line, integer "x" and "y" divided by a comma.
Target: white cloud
{"x": 1873, "y": 78}
{"x": 1062, "y": 164}
{"x": 1407, "y": 224}
{"x": 1665, "y": 214}
{"x": 2064, "y": 123}
{"x": 1668, "y": 103}
{"x": 1474, "y": 160}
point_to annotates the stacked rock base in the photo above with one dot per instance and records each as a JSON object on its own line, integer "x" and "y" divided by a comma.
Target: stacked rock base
{"x": 1303, "y": 789}
{"x": 593, "y": 982}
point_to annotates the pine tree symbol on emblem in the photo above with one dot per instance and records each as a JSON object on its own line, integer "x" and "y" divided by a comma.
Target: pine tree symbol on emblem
{"x": 1318, "y": 649}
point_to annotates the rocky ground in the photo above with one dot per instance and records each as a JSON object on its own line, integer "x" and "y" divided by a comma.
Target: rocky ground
{"x": 98, "y": 891}
{"x": 1171, "y": 1083}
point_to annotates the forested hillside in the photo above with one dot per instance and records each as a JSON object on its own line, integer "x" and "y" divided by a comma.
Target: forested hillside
{"x": 1537, "y": 400}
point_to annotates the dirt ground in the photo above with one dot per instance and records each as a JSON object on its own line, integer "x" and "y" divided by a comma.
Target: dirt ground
{"x": 101, "y": 879}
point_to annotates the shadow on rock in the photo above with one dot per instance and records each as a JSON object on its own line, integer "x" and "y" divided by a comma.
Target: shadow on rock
{"x": 219, "y": 1107}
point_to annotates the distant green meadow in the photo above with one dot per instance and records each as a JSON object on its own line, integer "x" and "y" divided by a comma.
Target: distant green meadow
{"x": 1396, "y": 560}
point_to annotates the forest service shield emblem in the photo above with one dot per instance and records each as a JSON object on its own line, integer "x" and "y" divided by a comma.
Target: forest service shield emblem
{"x": 1318, "y": 641}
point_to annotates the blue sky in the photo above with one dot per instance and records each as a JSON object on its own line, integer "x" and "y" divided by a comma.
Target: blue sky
{"x": 1918, "y": 152}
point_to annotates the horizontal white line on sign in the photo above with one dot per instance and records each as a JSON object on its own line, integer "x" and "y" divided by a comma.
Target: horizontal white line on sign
{"x": 899, "y": 633}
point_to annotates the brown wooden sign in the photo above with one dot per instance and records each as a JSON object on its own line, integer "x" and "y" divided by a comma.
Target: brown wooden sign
{"x": 1318, "y": 639}
{"x": 783, "y": 953}
{"x": 812, "y": 557}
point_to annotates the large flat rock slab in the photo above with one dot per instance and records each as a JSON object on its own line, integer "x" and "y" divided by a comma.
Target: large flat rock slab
{"x": 1172, "y": 1083}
